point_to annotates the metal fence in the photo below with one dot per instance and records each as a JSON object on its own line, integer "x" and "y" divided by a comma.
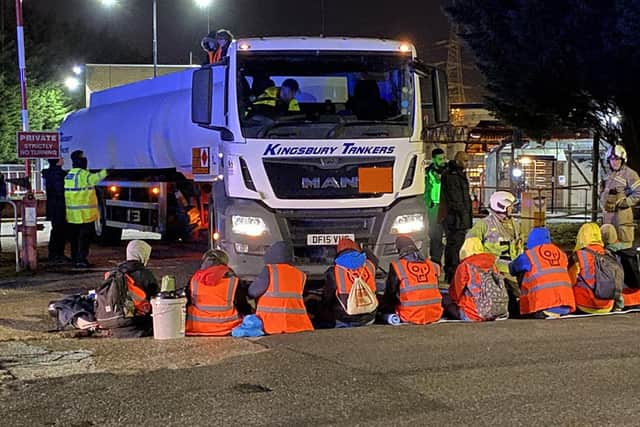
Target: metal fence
{"x": 17, "y": 171}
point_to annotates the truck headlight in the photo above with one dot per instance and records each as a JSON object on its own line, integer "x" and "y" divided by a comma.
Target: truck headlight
{"x": 248, "y": 225}
{"x": 404, "y": 224}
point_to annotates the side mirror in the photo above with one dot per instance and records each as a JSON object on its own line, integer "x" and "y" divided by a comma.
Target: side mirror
{"x": 208, "y": 96}
{"x": 201, "y": 91}
{"x": 440, "y": 92}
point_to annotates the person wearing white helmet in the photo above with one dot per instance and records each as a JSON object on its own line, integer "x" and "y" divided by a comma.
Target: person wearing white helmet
{"x": 500, "y": 234}
{"x": 621, "y": 192}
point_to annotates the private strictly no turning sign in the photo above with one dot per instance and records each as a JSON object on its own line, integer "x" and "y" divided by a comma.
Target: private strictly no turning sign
{"x": 38, "y": 145}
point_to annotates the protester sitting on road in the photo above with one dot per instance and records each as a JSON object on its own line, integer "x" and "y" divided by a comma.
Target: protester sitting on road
{"x": 628, "y": 257}
{"x": 545, "y": 285}
{"x": 213, "y": 295}
{"x": 474, "y": 279}
{"x": 349, "y": 264}
{"x": 500, "y": 235}
{"x": 583, "y": 270}
{"x": 278, "y": 290}
{"x": 140, "y": 286}
{"x": 412, "y": 286}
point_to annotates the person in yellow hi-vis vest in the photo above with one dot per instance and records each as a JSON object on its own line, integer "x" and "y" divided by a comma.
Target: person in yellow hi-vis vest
{"x": 81, "y": 206}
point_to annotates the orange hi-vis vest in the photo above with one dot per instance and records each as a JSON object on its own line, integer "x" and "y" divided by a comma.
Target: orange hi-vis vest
{"x": 211, "y": 310}
{"x": 141, "y": 305}
{"x": 281, "y": 307}
{"x": 631, "y": 297}
{"x": 345, "y": 278}
{"x": 586, "y": 280}
{"x": 420, "y": 299}
{"x": 215, "y": 56}
{"x": 547, "y": 284}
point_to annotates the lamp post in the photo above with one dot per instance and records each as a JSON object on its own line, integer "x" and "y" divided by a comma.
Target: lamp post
{"x": 205, "y": 4}
{"x": 112, "y": 3}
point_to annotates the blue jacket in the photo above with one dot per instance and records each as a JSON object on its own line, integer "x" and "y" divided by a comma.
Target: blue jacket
{"x": 537, "y": 237}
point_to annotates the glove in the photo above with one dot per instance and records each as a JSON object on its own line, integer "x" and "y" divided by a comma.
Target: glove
{"x": 611, "y": 203}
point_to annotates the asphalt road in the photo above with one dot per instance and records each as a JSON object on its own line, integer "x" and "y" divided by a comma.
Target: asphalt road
{"x": 514, "y": 372}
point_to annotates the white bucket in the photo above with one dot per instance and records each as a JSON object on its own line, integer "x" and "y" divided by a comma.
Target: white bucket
{"x": 168, "y": 317}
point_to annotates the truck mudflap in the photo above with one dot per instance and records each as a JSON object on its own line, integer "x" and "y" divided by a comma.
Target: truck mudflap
{"x": 313, "y": 233}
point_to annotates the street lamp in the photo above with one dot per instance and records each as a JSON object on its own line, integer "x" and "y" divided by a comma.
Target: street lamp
{"x": 77, "y": 70}
{"x": 72, "y": 83}
{"x": 111, "y": 3}
{"x": 205, "y": 4}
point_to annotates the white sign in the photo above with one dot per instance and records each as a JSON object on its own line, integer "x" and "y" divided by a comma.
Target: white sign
{"x": 30, "y": 217}
{"x": 327, "y": 239}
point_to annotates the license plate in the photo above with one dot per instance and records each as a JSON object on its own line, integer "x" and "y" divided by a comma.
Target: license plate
{"x": 133, "y": 215}
{"x": 327, "y": 239}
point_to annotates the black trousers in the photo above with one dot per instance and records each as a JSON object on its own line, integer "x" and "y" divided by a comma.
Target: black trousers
{"x": 436, "y": 233}
{"x": 57, "y": 239}
{"x": 455, "y": 239}
{"x": 80, "y": 238}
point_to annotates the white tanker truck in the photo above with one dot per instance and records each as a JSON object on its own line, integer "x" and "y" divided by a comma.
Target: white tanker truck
{"x": 349, "y": 163}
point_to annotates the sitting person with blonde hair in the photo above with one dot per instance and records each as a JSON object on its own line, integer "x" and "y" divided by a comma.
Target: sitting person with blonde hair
{"x": 583, "y": 272}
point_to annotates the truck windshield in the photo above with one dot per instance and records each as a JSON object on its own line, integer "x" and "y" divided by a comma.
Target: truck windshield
{"x": 325, "y": 95}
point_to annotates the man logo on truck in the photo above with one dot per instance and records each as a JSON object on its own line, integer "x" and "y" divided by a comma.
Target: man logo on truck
{"x": 329, "y": 182}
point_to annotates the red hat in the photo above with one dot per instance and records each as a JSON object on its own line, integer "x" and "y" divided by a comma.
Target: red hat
{"x": 344, "y": 244}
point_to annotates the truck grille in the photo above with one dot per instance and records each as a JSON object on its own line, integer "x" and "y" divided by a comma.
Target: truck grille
{"x": 363, "y": 224}
{"x": 320, "y": 178}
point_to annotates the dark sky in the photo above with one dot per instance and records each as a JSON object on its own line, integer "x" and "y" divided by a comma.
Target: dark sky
{"x": 181, "y": 24}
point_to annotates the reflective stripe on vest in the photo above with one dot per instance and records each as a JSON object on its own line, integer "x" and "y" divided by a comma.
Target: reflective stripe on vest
{"x": 231, "y": 287}
{"x": 420, "y": 299}
{"x": 211, "y": 311}
{"x": 281, "y": 307}
{"x": 547, "y": 284}
{"x": 585, "y": 268}
{"x": 345, "y": 278}
{"x": 80, "y": 197}
{"x": 536, "y": 288}
{"x": 195, "y": 318}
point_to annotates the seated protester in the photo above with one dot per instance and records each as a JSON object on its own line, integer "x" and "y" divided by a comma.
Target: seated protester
{"x": 278, "y": 290}
{"x": 545, "y": 285}
{"x": 350, "y": 263}
{"x": 583, "y": 273}
{"x": 464, "y": 300}
{"x": 279, "y": 100}
{"x": 213, "y": 295}
{"x": 628, "y": 257}
{"x": 113, "y": 311}
{"x": 412, "y": 286}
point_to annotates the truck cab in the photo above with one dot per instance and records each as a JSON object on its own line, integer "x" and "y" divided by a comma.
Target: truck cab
{"x": 342, "y": 158}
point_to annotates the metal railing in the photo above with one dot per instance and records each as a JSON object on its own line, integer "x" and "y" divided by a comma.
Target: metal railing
{"x": 17, "y": 171}
{"x": 554, "y": 209}
{"x": 15, "y": 230}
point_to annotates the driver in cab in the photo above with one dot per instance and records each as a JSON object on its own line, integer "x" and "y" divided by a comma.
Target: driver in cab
{"x": 278, "y": 100}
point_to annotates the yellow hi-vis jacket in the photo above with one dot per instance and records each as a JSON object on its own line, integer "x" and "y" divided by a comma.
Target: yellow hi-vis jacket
{"x": 270, "y": 98}
{"x": 80, "y": 195}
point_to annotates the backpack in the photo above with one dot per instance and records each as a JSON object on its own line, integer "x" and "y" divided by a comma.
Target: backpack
{"x": 361, "y": 299}
{"x": 609, "y": 275}
{"x": 115, "y": 301}
{"x": 491, "y": 297}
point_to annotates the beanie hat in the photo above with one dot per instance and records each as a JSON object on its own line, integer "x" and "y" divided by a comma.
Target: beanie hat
{"x": 405, "y": 245}
{"x": 345, "y": 244}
